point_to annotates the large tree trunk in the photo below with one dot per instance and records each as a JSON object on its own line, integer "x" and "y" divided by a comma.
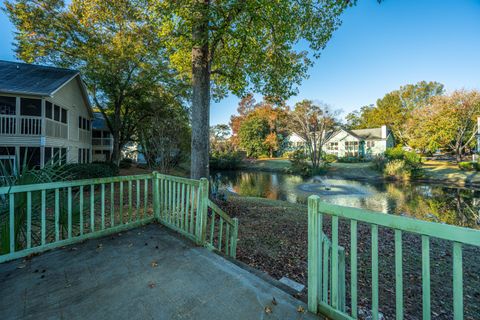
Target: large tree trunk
{"x": 201, "y": 93}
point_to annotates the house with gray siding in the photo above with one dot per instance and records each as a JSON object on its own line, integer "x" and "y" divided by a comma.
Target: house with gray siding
{"x": 45, "y": 114}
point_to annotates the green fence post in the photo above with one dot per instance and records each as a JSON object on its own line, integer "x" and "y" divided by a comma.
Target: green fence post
{"x": 233, "y": 251}
{"x": 201, "y": 219}
{"x": 313, "y": 258}
{"x": 156, "y": 196}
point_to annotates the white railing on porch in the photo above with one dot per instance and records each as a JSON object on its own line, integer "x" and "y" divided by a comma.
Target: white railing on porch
{"x": 102, "y": 141}
{"x": 56, "y": 129}
{"x": 20, "y": 125}
{"x": 85, "y": 136}
{"x": 8, "y": 124}
{"x": 30, "y": 125}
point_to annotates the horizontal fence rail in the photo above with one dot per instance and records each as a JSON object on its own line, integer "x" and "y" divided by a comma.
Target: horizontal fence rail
{"x": 39, "y": 217}
{"x": 323, "y": 298}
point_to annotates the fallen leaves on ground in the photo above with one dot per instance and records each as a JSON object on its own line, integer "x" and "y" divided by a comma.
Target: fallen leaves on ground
{"x": 268, "y": 309}
{"x": 154, "y": 264}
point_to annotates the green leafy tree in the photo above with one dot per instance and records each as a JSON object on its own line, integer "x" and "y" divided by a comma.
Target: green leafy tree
{"x": 112, "y": 42}
{"x": 396, "y": 108}
{"x": 273, "y": 114}
{"x": 164, "y": 136}
{"x": 448, "y": 122}
{"x": 241, "y": 46}
{"x": 252, "y": 136}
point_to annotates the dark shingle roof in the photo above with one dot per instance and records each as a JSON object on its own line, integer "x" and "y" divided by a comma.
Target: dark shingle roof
{"x": 23, "y": 78}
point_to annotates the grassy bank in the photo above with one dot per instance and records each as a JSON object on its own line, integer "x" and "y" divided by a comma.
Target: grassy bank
{"x": 270, "y": 165}
{"x": 273, "y": 238}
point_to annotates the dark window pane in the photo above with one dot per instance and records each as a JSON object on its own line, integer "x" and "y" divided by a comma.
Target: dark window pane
{"x": 84, "y": 124}
{"x": 56, "y": 113}
{"x": 7, "y": 105}
{"x": 48, "y": 155}
{"x": 48, "y": 109}
{"x": 64, "y": 156}
{"x": 56, "y": 155}
{"x": 64, "y": 115}
{"x": 80, "y": 122}
{"x": 30, "y": 156}
{"x": 97, "y": 134}
{"x": 88, "y": 125}
{"x": 30, "y": 107}
{"x": 7, "y": 151}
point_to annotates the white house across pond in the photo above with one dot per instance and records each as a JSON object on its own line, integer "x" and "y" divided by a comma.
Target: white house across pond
{"x": 352, "y": 143}
{"x": 359, "y": 143}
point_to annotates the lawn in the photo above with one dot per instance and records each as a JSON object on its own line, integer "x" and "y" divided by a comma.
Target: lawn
{"x": 447, "y": 171}
{"x": 270, "y": 164}
{"x": 273, "y": 238}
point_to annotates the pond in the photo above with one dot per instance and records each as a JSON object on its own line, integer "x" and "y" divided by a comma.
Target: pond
{"x": 431, "y": 202}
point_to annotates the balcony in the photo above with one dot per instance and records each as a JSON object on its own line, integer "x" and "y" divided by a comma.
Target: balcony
{"x": 20, "y": 125}
{"x": 106, "y": 142}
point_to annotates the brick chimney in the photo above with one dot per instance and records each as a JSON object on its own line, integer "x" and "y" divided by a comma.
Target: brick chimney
{"x": 384, "y": 131}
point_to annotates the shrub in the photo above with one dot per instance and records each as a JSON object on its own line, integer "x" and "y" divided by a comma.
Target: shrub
{"x": 410, "y": 163}
{"x": 396, "y": 153}
{"x": 288, "y": 154}
{"x": 329, "y": 158}
{"x": 300, "y": 165}
{"x": 397, "y": 169}
{"x": 350, "y": 159}
{"x": 468, "y": 166}
{"x": 125, "y": 163}
{"x": 222, "y": 160}
{"x": 79, "y": 171}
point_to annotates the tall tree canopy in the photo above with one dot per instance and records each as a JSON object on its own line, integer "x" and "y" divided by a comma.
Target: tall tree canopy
{"x": 240, "y": 46}
{"x": 219, "y": 46}
{"x": 395, "y": 108}
{"x": 260, "y": 128}
{"x": 112, "y": 42}
{"x": 448, "y": 122}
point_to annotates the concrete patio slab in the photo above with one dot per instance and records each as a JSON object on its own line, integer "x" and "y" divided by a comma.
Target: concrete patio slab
{"x": 145, "y": 273}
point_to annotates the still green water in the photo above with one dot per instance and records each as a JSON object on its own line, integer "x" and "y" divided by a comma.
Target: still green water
{"x": 431, "y": 202}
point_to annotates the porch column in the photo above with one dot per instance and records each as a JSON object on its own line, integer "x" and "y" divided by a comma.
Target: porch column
{"x": 17, "y": 115}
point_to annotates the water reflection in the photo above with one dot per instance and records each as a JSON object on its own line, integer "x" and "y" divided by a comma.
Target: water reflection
{"x": 457, "y": 206}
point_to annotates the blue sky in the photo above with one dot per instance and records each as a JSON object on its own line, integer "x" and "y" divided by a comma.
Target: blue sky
{"x": 378, "y": 48}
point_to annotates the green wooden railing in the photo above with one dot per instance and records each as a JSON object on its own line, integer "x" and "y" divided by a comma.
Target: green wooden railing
{"x": 220, "y": 238}
{"x": 327, "y": 300}
{"x": 39, "y": 217}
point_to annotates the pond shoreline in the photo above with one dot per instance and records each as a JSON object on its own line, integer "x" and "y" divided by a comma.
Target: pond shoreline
{"x": 364, "y": 172}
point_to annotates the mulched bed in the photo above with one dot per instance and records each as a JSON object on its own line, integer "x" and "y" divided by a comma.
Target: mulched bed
{"x": 273, "y": 238}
